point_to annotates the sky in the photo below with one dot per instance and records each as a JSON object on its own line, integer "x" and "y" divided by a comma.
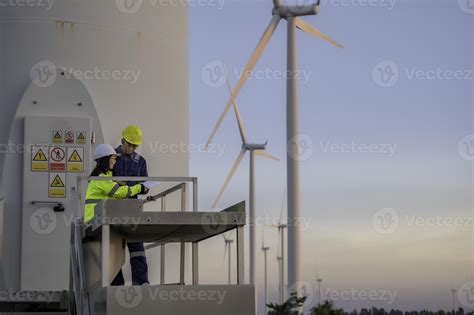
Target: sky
{"x": 387, "y": 124}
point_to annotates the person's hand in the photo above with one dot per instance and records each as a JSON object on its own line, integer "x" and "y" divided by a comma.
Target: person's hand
{"x": 144, "y": 190}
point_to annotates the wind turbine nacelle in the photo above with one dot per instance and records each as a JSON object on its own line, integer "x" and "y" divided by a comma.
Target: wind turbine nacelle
{"x": 297, "y": 10}
{"x": 250, "y": 146}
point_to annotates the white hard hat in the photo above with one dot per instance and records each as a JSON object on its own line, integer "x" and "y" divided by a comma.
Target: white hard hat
{"x": 103, "y": 150}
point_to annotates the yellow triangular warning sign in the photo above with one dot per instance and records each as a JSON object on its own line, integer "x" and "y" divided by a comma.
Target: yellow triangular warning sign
{"x": 57, "y": 182}
{"x": 81, "y": 136}
{"x": 57, "y": 135}
{"x": 39, "y": 156}
{"x": 75, "y": 157}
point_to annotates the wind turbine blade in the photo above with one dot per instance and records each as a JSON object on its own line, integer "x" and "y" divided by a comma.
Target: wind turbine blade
{"x": 243, "y": 132}
{"x": 310, "y": 29}
{"x": 264, "y": 154}
{"x": 229, "y": 177}
{"x": 250, "y": 65}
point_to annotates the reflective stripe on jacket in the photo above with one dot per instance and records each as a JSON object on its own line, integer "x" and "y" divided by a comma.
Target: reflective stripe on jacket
{"x": 106, "y": 189}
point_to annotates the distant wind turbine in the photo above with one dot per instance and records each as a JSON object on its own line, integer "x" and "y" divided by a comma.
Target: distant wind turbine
{"x": 281, "y": 251}
{"x": 265, "y": 250}
{"x": 253, "y": 149}
{"x": 228, "y": 251}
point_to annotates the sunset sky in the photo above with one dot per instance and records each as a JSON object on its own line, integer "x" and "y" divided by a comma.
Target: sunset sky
{"x": 395, "y": 219}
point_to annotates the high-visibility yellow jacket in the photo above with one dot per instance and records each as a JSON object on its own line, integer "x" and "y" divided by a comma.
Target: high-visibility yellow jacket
{"x": 106, "y": 189}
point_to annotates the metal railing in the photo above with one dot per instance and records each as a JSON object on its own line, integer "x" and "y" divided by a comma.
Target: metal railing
{"x": 78, "y": 204}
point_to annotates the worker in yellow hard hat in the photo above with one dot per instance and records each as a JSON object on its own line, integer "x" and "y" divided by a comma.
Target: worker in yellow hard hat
{"x": 130, "y": 163}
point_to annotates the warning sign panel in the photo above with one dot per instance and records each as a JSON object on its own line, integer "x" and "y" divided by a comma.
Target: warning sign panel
{"x": 69, "y": 137}
{"x": 75, "y": 160}
{"x": 57, "y": 185}
{"x": 57, "y": 157}
{"x": 81, "y": 137}
{"x": 57, "y": 137}
{"x": 39, "y": 158}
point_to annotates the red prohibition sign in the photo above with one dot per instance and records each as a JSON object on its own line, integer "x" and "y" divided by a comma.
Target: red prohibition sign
{"x": 58, "y": 154}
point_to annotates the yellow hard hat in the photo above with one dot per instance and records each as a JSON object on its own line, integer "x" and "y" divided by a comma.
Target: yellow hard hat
{"x": 133, "y": 134}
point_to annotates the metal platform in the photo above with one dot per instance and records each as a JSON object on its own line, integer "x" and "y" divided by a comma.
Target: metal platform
{"x": 99, "y": 253}
{"x": 127, "y": 218}
{"x": 174, "y": 299}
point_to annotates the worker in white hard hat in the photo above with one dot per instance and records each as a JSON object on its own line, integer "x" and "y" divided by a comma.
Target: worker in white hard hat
{"x": 105, "y": 157}
{"x": 130, "y": 163}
